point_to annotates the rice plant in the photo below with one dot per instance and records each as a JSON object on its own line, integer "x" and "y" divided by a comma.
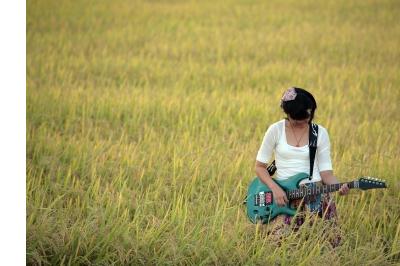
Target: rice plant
{"x": 144, "y": 119}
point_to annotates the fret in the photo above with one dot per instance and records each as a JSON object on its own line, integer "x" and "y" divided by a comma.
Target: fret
{"x": 316, "y": 190}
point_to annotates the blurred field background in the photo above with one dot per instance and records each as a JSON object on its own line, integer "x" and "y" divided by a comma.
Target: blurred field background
{"x": 144, "y": 119}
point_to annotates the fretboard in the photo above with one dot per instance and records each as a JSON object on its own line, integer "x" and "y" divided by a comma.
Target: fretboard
{"x": 316, "y": 190}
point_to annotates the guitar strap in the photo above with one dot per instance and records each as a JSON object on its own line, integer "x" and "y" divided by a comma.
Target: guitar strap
{"x": 312, "y": 145}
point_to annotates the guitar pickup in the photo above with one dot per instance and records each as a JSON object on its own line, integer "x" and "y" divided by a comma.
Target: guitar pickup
{"x": 263, "y": 198}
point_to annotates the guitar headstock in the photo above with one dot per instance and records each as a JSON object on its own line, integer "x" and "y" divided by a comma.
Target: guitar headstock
{"x": 368, "y": 182}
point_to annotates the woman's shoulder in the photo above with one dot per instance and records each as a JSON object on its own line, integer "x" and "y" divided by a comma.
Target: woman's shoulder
{"x": 276, "y": 125}
{"x": 322, "y": 129}
{"x": 323, "y": 134}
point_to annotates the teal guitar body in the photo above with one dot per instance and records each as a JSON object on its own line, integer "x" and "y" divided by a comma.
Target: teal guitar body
{"x": 260, "y": 202}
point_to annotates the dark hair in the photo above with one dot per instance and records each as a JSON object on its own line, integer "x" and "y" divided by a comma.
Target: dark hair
{"x": 297, "y": 108}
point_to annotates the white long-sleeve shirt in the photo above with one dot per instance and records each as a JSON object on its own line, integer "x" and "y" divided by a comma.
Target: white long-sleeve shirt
{"x": 291, "y": 160}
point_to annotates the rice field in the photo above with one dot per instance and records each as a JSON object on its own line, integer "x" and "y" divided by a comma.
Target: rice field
{"x": 144, "y": 119}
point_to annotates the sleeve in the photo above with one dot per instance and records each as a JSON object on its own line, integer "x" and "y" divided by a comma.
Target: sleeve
{"x": 324, "y": 151}
{"x": 268, "y": 144}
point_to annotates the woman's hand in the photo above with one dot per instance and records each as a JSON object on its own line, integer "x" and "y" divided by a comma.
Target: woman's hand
{"x": 344, "y": 189}
{"x": 279, "y": 195}
{"x": 277, "y": 192}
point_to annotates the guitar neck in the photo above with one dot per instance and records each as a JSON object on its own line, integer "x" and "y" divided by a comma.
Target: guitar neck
{"x": 316, "y": 190}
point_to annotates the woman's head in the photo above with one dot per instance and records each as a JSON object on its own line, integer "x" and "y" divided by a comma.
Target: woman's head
{"x": 298, "y": 104}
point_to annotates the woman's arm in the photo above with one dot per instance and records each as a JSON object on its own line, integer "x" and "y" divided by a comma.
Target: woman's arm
{"x": 328, "y": 178}
{"x": 263, "y": 156}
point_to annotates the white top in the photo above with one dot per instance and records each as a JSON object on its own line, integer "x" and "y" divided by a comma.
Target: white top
{"x": 291, "y": 160}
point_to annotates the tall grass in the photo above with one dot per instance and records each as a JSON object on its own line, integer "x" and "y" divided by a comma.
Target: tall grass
{"x": 144, "y": 119}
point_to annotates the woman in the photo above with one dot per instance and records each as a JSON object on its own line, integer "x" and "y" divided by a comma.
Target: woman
{"x": 287, "y": 139}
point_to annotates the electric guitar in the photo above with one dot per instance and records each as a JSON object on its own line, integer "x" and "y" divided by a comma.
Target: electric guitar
{"x": 261, "y": 206}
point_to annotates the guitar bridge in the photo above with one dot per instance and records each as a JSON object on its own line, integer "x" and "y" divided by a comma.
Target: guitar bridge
{"x": 263, "y": 198}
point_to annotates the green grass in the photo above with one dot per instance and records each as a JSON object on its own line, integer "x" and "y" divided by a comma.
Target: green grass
{"x": 144, "y": 119}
